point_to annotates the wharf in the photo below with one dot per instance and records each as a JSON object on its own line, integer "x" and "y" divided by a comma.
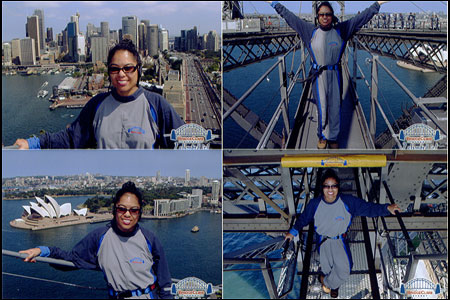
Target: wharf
{"x": 75, "y": 102}
{"x": 46, "y": 223}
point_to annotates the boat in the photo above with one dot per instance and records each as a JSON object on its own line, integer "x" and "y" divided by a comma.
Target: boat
{"x": 195, "y": 229}
{"x": 44, "y": 84}
{"x": 42, "y": 94}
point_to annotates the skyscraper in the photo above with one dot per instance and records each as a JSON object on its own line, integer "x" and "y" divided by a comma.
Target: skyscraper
{"x": 16, "y": 55}
{"x": 27, "y": 51}
{"x": 40, "y": 14}
{"x": 158, "y": 176}
{"x": 99, "y": 49}
{"x": 49, "y": 35}
{"x": 7, "y": 54}
{"x": 142, "y": 33}
{"x": 104, "y": 27}
{"x": 187, "y": 177}
{"x": 130, "y": 26}
{"x": 154, "y": 37}
{"x": 191, "y": 39}
{"x": 76, "y": 19}
{"x": 72, "y": 40}
{"x": 33, "y": 32}
{"x": 215, "y": 192}
{"x": 164, "y": 40}
{"x": 212, "y": 41}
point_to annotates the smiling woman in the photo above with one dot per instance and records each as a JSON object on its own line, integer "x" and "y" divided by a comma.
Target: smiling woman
{"x": 130, "y": 257}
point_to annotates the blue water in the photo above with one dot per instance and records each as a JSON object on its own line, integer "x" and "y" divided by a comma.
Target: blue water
{"x": 198, "y": 255}
{"x": 24, "y": 114}
{"x": 265, "y": 99}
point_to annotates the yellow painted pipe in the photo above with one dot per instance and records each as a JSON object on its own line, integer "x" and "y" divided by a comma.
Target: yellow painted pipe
{"x": 335, "y": 161}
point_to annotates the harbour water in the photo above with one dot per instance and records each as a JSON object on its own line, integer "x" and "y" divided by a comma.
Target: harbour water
{"x": 189, "y": 254}
{"x": 265, "y": 99}
{"x": 24, "y": 114}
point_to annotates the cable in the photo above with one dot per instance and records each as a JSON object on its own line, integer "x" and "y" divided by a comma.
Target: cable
{"x": 57, "y": 282}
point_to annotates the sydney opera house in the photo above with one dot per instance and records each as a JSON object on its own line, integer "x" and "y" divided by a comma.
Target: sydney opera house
{"x": 49, "y": 208}
{"x": 47, "y": 213}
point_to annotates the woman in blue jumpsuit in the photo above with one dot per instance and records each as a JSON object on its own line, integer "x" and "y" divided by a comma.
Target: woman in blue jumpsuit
{"x": 326, "y": 45}
{"x": 332, "y": 214}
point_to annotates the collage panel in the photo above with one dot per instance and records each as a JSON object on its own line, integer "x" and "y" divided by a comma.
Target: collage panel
{"x": 143, "y": 218}
{"x": 347, "y": 225}
{"x": 111, "y": 75}
{"x": 334, "y": 75}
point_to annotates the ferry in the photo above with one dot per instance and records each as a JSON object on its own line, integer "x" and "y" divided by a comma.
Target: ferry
{"x": 195, "y": 229}
{"x": 42, "y": 94}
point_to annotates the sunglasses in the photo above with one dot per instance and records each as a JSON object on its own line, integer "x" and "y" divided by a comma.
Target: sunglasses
{"x": 333, "y": 186}
{"x": 126, "y": 69}
{"x": 325, "y": 15}
{"x": 123, "y": 210}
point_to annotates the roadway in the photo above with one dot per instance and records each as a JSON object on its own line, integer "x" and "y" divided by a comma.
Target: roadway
{"x": 199, "y": 108}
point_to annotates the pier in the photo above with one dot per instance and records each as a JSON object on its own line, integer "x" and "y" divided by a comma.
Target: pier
{"x": 73, "y": 102}
{"x": 25, "y": 223}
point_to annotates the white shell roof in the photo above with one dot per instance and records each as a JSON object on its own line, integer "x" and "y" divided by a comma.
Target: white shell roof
{"x": 65, "y": 209}
{"x": 47, "y": 207}
{"x": 39, "y": 210}
{"x": 81, "y": 212}
{"x": 55, "y": 205}
{"x": 27, "y": 208}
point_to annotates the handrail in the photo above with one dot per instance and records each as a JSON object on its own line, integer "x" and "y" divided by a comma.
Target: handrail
{"x": 47, "y": 260}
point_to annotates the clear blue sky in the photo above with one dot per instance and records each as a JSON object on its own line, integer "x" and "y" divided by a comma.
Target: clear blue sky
{"x": 206, "y": 163}
{"x": 172, "y": 15}
{"x": 351, "y": 7}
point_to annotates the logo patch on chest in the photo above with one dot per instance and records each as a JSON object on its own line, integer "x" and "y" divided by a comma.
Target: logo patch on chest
{"x": 136, "y": 130}
{"x": 339, "y": 218}
{"x": 137, "y": 260}
{"x": 333, "y": 44}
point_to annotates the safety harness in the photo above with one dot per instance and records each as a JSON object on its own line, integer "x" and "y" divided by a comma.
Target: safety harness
{"x": 127, "y": 294}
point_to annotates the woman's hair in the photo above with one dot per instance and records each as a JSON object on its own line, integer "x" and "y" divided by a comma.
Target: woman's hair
{"x": 327, "y": 4}
{"x": 329, "y": 173}
{"x": 127, "y": 45}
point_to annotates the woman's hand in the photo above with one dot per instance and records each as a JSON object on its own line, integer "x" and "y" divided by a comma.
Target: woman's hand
{"x": 393, "y": 208}
{"x": 382, "y": 2}
{"x": 32, "y": 253}
{"x": 23, "y": 144}
{"x": 289, "y": 236}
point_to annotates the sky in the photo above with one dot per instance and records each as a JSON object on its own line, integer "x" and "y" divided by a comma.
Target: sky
{"x": 172, "y": 15}
{"x": 351, "y": 7}
{"x": 173, "y": 163}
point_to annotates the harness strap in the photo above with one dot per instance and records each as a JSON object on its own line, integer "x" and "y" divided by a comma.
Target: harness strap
{"x": 127, "y": 294}
{"x": 317, "y": 70}
{"x": 344, "y": 235}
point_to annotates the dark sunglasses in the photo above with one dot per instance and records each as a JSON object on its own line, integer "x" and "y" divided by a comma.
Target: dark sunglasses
{"x": 123, "y": 210}
{"x": 126, "y": 69}
{"x": 333, "y": 186}
{"x": 325, "y": 15}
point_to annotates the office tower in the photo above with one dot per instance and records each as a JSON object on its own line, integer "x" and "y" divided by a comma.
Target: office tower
{"x": 33, "y": 32}
{"x": 191, "y": 39}
{"x": 40, "y": 14}
{"x": 90, "y": 30}
{"x": 187, "y": 177}
{"x": 72, "y": 40}
{"x": 76, "y": 19}
{"x": 99, "y": 49}
{"x": 154, "y": 36}
{"x": 212, "y": 41}
{"x": 142, "y": 33}
{"x": 27, "y": 51}
{"x": 164, "y": 40}
{"x": 81, "y": 48}
{"x": 104, "y": 27}
{"x": 15, "y": 52}
{"x": 158, "y": 176}
{"x": 130, "y": 26}
{"x": 49, "y": 35}
{"x": 7, "y": 54}
{"x": 215, "y": 192}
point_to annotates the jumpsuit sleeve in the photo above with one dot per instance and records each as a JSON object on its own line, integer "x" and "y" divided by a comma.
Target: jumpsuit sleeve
{"x": 351, "y": 26}
{"x": 161, "y": 268}
{"x": 83, "y": 255}
{"x": 359, "y": 207}
{"x": 303, "y": 28}
{"x": 305, "y": 217}
{"x": 80, "y": 134}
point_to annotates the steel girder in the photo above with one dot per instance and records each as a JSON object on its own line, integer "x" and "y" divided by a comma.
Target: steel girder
{"x": 239, "y": 51}
{"x": 406, "y": 46}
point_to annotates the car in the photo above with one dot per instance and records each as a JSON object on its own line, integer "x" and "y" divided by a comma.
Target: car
{"x": 203, "y": 120}
{"x": 204, "y": 114}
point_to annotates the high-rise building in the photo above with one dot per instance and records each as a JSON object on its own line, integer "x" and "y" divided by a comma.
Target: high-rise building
{"x": 90, "y": 30}
{"x": 154, "y": 37}
{"x": 99, "y": 49}
{"x": 15, "y": 52}
{"x": 187, "y": 177}
{"x": 158, "y": 176}
{"x": 215, "y": 192}
{"x": 212, "y": 41}
{"x": 191, "y": 39}
{"x": 164, "y": 40}
{"x": 72, "y": 40}
{"x": 130, "y": 26}
{"x": 142, "y": 33}
{"x": 33, "y": 32}
{"x": 76, "y": 19}
{"x": 27, "y": 51}
{"x": 104, "y": 27}
{"x": 40, "y": 14}
{"x": 49, "y": 38}
{"x": 7, "y": 54}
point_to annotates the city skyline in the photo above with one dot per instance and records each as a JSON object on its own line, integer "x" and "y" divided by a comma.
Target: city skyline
{"x": 164, "y": 13}
{"x": 113, "y": 163}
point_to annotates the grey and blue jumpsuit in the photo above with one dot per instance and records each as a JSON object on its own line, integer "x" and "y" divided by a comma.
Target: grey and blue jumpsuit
{"x": 326, "y": 47}
{"x": 111, "y": 121}
{"x": 131, "y": 262}
{"x": 331, "y": 222}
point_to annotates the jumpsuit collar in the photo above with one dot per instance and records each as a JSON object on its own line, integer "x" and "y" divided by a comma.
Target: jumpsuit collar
{"x": 335, "y": 200}
{"x": 125, "y": 99}
{"x": 120, "y": 232}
